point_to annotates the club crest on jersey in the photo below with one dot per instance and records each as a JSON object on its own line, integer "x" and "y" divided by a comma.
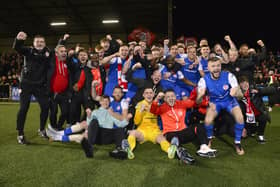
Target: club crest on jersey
{"x": 225, "y": 87}
{"x": 118, "y": 107}
{"x": 47, "y": 54}
{"x": 65, "y": 65}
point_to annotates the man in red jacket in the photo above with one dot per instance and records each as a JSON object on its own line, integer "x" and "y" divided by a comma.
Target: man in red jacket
{"x": 58, "y": 87}
{"x": 172, "y": 113}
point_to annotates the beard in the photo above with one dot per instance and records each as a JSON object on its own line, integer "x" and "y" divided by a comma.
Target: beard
{"x": 214, "y": 74}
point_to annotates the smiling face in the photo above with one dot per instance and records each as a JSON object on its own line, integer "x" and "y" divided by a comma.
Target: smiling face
{"x": 191, "y": 51}
{"x": 39, "y": 43}
{"x": 123, "y": 51}
{"x": 117, "y": 94}
{"x": 156, "y": 76}
{"x": 170, "y": 98}
{"x": 83, "y": 57}
{"x": 214, "y": 67}
{"x": 104, "y": 102}
{"x": 94, "y": 58}
{"x": 205, "y": 51}
{"x": 148, "y": 95}
{"x": 61, "y": 53}
{"x": 244, "y": 85}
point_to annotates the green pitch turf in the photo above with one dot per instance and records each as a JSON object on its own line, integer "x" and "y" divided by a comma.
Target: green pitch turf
{"x": 58, "y": 164}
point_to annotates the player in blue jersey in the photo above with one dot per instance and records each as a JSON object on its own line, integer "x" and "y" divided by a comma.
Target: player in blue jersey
{"x": 223, "y": 88}
{"x": 170, "y": 77}
{"x": 116, "y": 62}
{"x": 203, "y": 60}
{"x": 119, "y": 105}
{"x": 190, "y": 72}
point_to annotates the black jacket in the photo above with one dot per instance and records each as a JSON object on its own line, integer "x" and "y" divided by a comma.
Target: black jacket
{"x": 36, "y": 63}
{"x": 257, "y": 100}
{"x": 246, "y": 65}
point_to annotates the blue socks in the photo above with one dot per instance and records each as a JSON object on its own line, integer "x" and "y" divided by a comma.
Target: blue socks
{"x": 209, "y": 130}
{"x": 68, "y": 131}
{"x": 65, "y": 138}
{"x": 238, "y": 128}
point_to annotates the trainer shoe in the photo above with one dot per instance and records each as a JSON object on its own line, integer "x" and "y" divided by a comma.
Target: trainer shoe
{"x": 238, "y": 148}
{"x": 205, "y": 151}
{"x": 88, "y": 149}
{"x": 126, "y": 147}
{"x": 43, "y": 133}
{"x": 119, "y": 153}
{"x": 261, "y": 139}
{"x": 173, "y": 147}
{"x": 21, "y": 140}
{"x": 51, "y": 128}
{"x": 184, "y": 156}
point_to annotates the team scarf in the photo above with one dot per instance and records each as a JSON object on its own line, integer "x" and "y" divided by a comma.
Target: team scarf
{"x": 97, "y": 76}
{"x": 250, "y": 116}
{"x": 122, "y": 82}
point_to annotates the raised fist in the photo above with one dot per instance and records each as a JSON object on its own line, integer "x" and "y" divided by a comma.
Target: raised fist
{"x": 166, "y": 42}
{"x": 260, "y": 43}
{"x": 109, "y": 37}
{"x": 119, "y": 41}
{"x": 227, "y": 38}
{"x": 66, "y": 36}
{"x": 160, "y": 95}
{"x": 21, "y": 35}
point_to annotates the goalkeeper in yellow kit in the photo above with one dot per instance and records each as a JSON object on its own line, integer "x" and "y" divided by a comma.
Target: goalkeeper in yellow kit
{"x": 147, "y": 127}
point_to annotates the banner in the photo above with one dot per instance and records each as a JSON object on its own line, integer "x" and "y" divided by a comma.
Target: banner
{"x": 16, "y": 92}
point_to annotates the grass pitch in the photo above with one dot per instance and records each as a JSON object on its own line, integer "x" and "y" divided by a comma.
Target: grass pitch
{"x": 47, "y": 164}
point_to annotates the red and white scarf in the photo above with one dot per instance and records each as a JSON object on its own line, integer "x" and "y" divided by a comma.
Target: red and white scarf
{"x": 250, "y": 116}
{"x": 122, "y": 82}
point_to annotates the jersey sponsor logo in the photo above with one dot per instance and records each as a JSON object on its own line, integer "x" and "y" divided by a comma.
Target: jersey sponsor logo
{"x": 225, "y": 87}
{"x": 47, "y": 54}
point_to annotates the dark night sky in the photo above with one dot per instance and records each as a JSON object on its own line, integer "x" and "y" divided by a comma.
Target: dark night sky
{"x": 244, "y": 22}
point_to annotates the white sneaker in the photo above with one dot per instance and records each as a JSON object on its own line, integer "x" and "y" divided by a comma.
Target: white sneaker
{"x": 205, "y": 151}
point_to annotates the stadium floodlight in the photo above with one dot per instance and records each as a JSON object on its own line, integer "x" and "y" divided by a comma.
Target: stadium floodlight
{"x": 109, "y": 21}
{"x": 58, "y": 23}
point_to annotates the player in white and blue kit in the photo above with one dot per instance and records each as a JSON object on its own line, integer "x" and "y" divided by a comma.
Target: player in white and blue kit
{"x": 222, "y": 87}
{"x": 170, "y": 77}
{"x": 190, "y": 72}
{"x": 203, "y": 60}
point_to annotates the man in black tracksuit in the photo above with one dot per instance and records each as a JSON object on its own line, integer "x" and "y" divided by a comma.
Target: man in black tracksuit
{"x": 245, "y": 64}
{"x": 33, "y": 81}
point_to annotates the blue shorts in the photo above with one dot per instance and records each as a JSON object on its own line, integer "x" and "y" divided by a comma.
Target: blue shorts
{"x": 228, "y": 105}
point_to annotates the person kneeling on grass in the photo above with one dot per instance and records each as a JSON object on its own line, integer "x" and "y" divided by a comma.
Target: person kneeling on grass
{"x": 172, "y": 113}
{"x": 148, "y": 129}
{"x": 98, "y": 129}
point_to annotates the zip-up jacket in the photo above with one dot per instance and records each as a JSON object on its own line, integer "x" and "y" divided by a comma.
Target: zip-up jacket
{"x": 173, "y": 117}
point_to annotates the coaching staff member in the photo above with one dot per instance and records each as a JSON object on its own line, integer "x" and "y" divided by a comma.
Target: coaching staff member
{"x": 33, "y": 81}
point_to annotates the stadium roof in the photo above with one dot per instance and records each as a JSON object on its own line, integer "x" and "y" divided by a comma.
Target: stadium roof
{"x": 81, "y": 16}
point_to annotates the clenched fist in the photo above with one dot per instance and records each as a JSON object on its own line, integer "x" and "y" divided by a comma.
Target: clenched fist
{"x": 21, "y": 35}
